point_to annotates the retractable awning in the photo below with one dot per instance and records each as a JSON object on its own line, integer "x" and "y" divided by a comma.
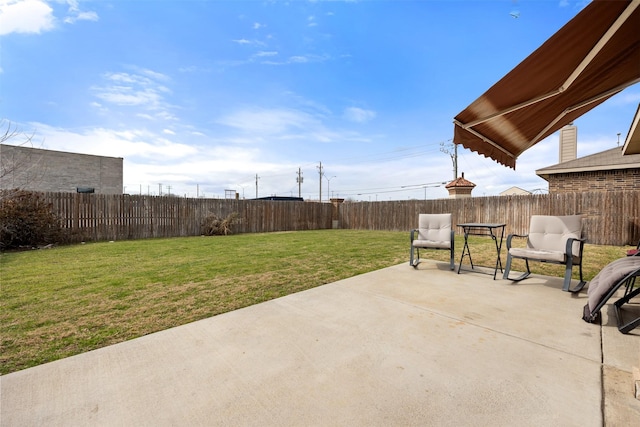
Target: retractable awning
{"x": 590, "y": 59}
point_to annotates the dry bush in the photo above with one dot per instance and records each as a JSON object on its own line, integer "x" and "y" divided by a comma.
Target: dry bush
{"x": 27, "y": 220}
{"x": 216, "y": 226}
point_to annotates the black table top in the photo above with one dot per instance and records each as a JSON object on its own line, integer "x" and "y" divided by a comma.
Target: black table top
{"x": 481, "y": 225}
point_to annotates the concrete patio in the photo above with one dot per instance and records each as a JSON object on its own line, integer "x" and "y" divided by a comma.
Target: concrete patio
{"x": 398, "y": 346}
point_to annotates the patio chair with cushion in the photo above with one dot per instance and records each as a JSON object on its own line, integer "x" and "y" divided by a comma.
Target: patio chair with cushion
{"x": 552, "y": 239}
{"x": 434, "y": 232}
{"x": 615, "y": 275}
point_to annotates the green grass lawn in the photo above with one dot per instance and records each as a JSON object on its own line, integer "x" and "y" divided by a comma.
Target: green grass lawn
{"x": 72, "y": 299}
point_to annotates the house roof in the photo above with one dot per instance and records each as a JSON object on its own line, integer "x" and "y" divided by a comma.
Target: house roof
{"x": 632, "y": 143}
{"x": 612, "y": 159}
{"x": 514, "y": 190}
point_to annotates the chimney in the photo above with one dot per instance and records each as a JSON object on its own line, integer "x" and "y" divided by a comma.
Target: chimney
{"x": 568, "y": 143}
{"x": 460, "y": 188}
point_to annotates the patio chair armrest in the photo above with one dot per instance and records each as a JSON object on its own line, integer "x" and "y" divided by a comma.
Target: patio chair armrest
{"x": 511, "y": 236}
{"x": 413, "y": 233}
{"x": 569, "y": 247}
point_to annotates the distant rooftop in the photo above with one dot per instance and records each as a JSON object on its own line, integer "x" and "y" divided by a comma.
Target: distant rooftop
{"x": 612, "y": 159}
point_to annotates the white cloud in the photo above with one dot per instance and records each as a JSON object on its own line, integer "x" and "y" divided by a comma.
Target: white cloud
{"x": 194, "y": 69}
{"x": 136, "y": 78}
{"x": 299, "y": 59}
{"x": 309, "y": 58}
{"x": 358, "y": 115}
{"x": 625, "y": 98}
{"x": 154, "y": 75}
{"x": 75, "y": 14}
{"x": 127, "y": 95}
{"x": 231, "y": 162}
{"x": 127, "y": 143}
{"x": 28, "y": 16}
{"x": 143, "y": 90}
{"x": 269, "y": 127}
{"x": 82, "y": 16}
{"x": 151, "y": 158}
{"x": 268, "y": 121}
{"x": 264, "y": 54}
{"x": 165, "y": 115}
{"x": 145, "y": 116}
{"x": 37, "y": 16}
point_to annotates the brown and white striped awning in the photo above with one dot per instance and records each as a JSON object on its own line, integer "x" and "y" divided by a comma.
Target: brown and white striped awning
{"x": 593, "y": 57}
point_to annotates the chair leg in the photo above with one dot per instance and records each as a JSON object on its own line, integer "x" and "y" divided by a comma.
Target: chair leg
{"x": 507, "y": 267}
{"x": 507, "y": 270}
{"x": 451, "y": 261}
{"x": 629, "y": 326}
{"x": 567, "y": 279}
{"x": 582, "y": 281}
{"x": 453, "y": 250}
{"x": 413, "y": 262}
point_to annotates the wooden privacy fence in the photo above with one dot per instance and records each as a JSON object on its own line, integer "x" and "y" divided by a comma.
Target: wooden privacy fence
{"x": 117, "y": 217}
{"x": 610, "y": 218}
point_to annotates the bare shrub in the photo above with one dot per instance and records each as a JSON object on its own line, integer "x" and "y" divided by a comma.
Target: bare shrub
{"x": 216, "y": 226}
{"x": 27, "y": 220}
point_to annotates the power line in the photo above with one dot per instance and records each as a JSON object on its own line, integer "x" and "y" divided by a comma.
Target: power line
{"x": 396, "y": 154}
{"x": 379, "y": 190}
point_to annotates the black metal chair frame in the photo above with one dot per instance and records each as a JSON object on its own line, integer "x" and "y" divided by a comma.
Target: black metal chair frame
{"x": 629, "y": 283}
{"x": 568, "y": 263}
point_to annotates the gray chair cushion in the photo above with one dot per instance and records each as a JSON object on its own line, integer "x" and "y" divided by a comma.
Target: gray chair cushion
{"x": 537, "y": 254}
{"x": 434, "y": 231}
{"x": 550, "y": 233}
{"x": 609, "y": 276}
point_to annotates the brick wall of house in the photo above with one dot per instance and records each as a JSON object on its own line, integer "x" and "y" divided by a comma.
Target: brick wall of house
{"x": 612, "y": 180}
{"x": 57, "y": 171}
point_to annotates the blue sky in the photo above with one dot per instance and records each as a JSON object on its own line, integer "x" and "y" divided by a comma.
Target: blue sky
{"x": 203, "y": 96}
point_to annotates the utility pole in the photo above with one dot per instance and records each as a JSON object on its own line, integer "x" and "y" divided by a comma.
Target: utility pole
{"x": 169, "y": 189}
{"x": 321, "y": 174}
{"x": 257, "y": 178}
{"x": 299, "y": 180}
{"x": 453, "y": 155}
{"x": 328, "y": 186}
{"x": 160, "y": 189}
